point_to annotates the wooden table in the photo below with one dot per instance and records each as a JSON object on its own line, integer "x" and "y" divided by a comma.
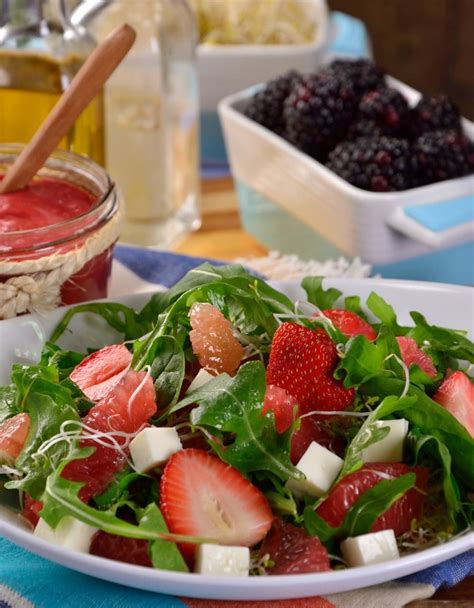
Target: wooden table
{"x": 221, "y": 237}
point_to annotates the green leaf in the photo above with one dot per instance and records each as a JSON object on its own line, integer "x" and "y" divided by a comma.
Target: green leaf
{"x": 120, "y": 317}
{"x": 384, "y": 312}
{"x": 164, "y": 554}
{"x": 317, "y": 295}
{"x": 166, "y": 360}
{"x": 317, "y": 526}
{"x": 235, "y": 407}
{"x": 7, "y": 402}
{"x": 432, "y": 419}
{"x": 353, "y": 304}
{"x": 63, "y": 360}
{"x": 447, "y": 341}
{"x": 128, "y": 486}
{"x": 362, "y": 360}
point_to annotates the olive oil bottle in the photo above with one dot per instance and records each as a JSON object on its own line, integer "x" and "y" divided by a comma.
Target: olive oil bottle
{"x": 38, "y": 59}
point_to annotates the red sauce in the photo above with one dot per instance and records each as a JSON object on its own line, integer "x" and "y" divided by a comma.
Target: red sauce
{"x": 51, "y": 202}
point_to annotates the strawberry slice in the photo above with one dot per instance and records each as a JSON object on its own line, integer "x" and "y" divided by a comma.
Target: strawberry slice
{"x": 412, "y": 355}
{"x": 13, "y": 434}
{"x": 126, "y": 408}
{"x": 398, "y": 517}
{"x": 98, "y": 373}
{"x": 121, "y": 549}
{"x": 293, "y": 551}
{"x": 202, "y": 496}
{"x": 302, "y": 362}
{"x": 282, "y": 404}
{"x": 456, "y": 394}
{"x": 350, "y": 323}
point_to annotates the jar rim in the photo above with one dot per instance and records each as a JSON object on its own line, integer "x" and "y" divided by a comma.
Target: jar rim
{"x": 100, "y": 211}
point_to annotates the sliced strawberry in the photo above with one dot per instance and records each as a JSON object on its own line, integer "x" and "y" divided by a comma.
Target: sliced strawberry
{"x": 202, "y": 496}
{"x": 412, "y": 355}
{"x": 31, "y": 509}
{"x": 13, "y": 434}
{"x": 293, "y": 551}
{"x": 350, "y": 323}
{"x": 456, "y": 394}
{"x": 282, "y": 404}
{"x": 98, "y": 373}
{"x": 311, "y": 429}
{"x": 302, "y": 362}
{"x": 398, "y": 517}
{"x": 126, "y": 408}
{"x": 121, "y": 549}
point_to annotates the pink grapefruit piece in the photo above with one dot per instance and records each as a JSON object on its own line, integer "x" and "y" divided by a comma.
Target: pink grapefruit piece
{"x": 413, "y": 355}
{"x": 13, "y": 434}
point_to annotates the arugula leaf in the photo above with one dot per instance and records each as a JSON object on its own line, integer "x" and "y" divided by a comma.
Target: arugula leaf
{"x": 164, "y": 554}
{"x": 317, "y": 295}
{"x": 63, "y": 360}
{"x": 447, "y": 341}
{"x": 7, "y": 402}
{"x": 128, "y": 486}
{"x": 383, "y": 311}
{"x": 362, "y": 360}
{"x": 431, "y": 418}
{"x": 120, "y": 317}
{"x": 353, "y": 304}
{"x": 166, "y": 360}
{"x": 315, "y": 525}
{"x": 234, "y": 406}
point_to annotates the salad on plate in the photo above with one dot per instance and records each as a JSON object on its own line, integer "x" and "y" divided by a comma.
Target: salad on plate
{"x": 233, "y": 431}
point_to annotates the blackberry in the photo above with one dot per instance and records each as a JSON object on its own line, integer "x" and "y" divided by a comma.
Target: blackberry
{"x": 433, "y": 113}
{"x": 363, "y": 74}
{"x": 381, "y": 112}
{"x": 266, "y": 106}
{"x": 380, "y": 164}
{"x": 441, "y": 155}
{"x": 318, "y": 112}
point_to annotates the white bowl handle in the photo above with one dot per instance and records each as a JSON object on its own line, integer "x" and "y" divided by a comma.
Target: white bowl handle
{"x": 437, "y": 224}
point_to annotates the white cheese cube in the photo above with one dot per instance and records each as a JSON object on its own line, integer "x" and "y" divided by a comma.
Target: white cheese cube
{"x": 390, "y": 448}
{"x": 153, "y": 446}
{"x": 220, "y": 560}
{"x": 202, "y": 378}
{"x": 70, "y": 533}
{"x": 320, "y": 467}
{"x": 370, "y": 548}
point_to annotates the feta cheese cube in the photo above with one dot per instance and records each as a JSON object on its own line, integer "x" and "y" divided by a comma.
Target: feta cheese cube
{"x": 70, "y": 533}
{"x": 320, "y": 467}
{"x": 390, "y": 448}
{"x": 153, "y": 446}
{"x": 202, "y": 378}
{"x": 220, "y": 560}
{"x": 370, "y": 548}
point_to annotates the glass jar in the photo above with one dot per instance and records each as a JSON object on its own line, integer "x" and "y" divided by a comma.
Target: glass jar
{"x": 151, "y": 104}
{"x": 64, "y": 262}
{"x": 40, "y": 53}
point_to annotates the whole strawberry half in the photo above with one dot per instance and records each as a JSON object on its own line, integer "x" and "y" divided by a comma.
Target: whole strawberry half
{"x": 350, "y": 323}
{"x": 293, "y": 551}
{"x": 398, "y": 517}
{"x": 302, "y": 362}
{"x": 456, "y": 394}
{"x": 202, "y": 496}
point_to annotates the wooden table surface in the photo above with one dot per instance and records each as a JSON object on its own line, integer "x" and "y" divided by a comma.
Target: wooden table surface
{"x": 221, "y": 237}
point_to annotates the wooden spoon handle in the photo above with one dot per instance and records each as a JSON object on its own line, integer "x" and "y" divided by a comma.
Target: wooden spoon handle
{"x": 83, "y": 88}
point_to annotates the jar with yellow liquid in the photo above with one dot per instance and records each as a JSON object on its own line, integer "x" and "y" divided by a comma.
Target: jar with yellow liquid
{"x": 40, "y": 52}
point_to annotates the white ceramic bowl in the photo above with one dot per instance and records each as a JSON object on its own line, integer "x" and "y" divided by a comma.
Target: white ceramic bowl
{"x": 225, "y": 69}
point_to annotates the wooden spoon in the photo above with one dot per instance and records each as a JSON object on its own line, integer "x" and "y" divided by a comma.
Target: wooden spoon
{"x": 83, "y": 88}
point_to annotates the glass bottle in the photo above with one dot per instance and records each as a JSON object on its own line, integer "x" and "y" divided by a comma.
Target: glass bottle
{"x": 39, "y": 55}
{"x": 151, "y": 106}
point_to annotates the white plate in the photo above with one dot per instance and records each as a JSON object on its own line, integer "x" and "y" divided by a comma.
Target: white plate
{"x": 21, "y": 340}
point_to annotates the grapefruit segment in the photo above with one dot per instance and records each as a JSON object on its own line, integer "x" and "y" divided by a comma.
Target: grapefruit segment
{"x": 13, "y": 434}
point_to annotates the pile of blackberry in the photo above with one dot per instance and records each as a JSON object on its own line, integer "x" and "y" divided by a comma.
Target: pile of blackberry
{"x": 347, "y": 117}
